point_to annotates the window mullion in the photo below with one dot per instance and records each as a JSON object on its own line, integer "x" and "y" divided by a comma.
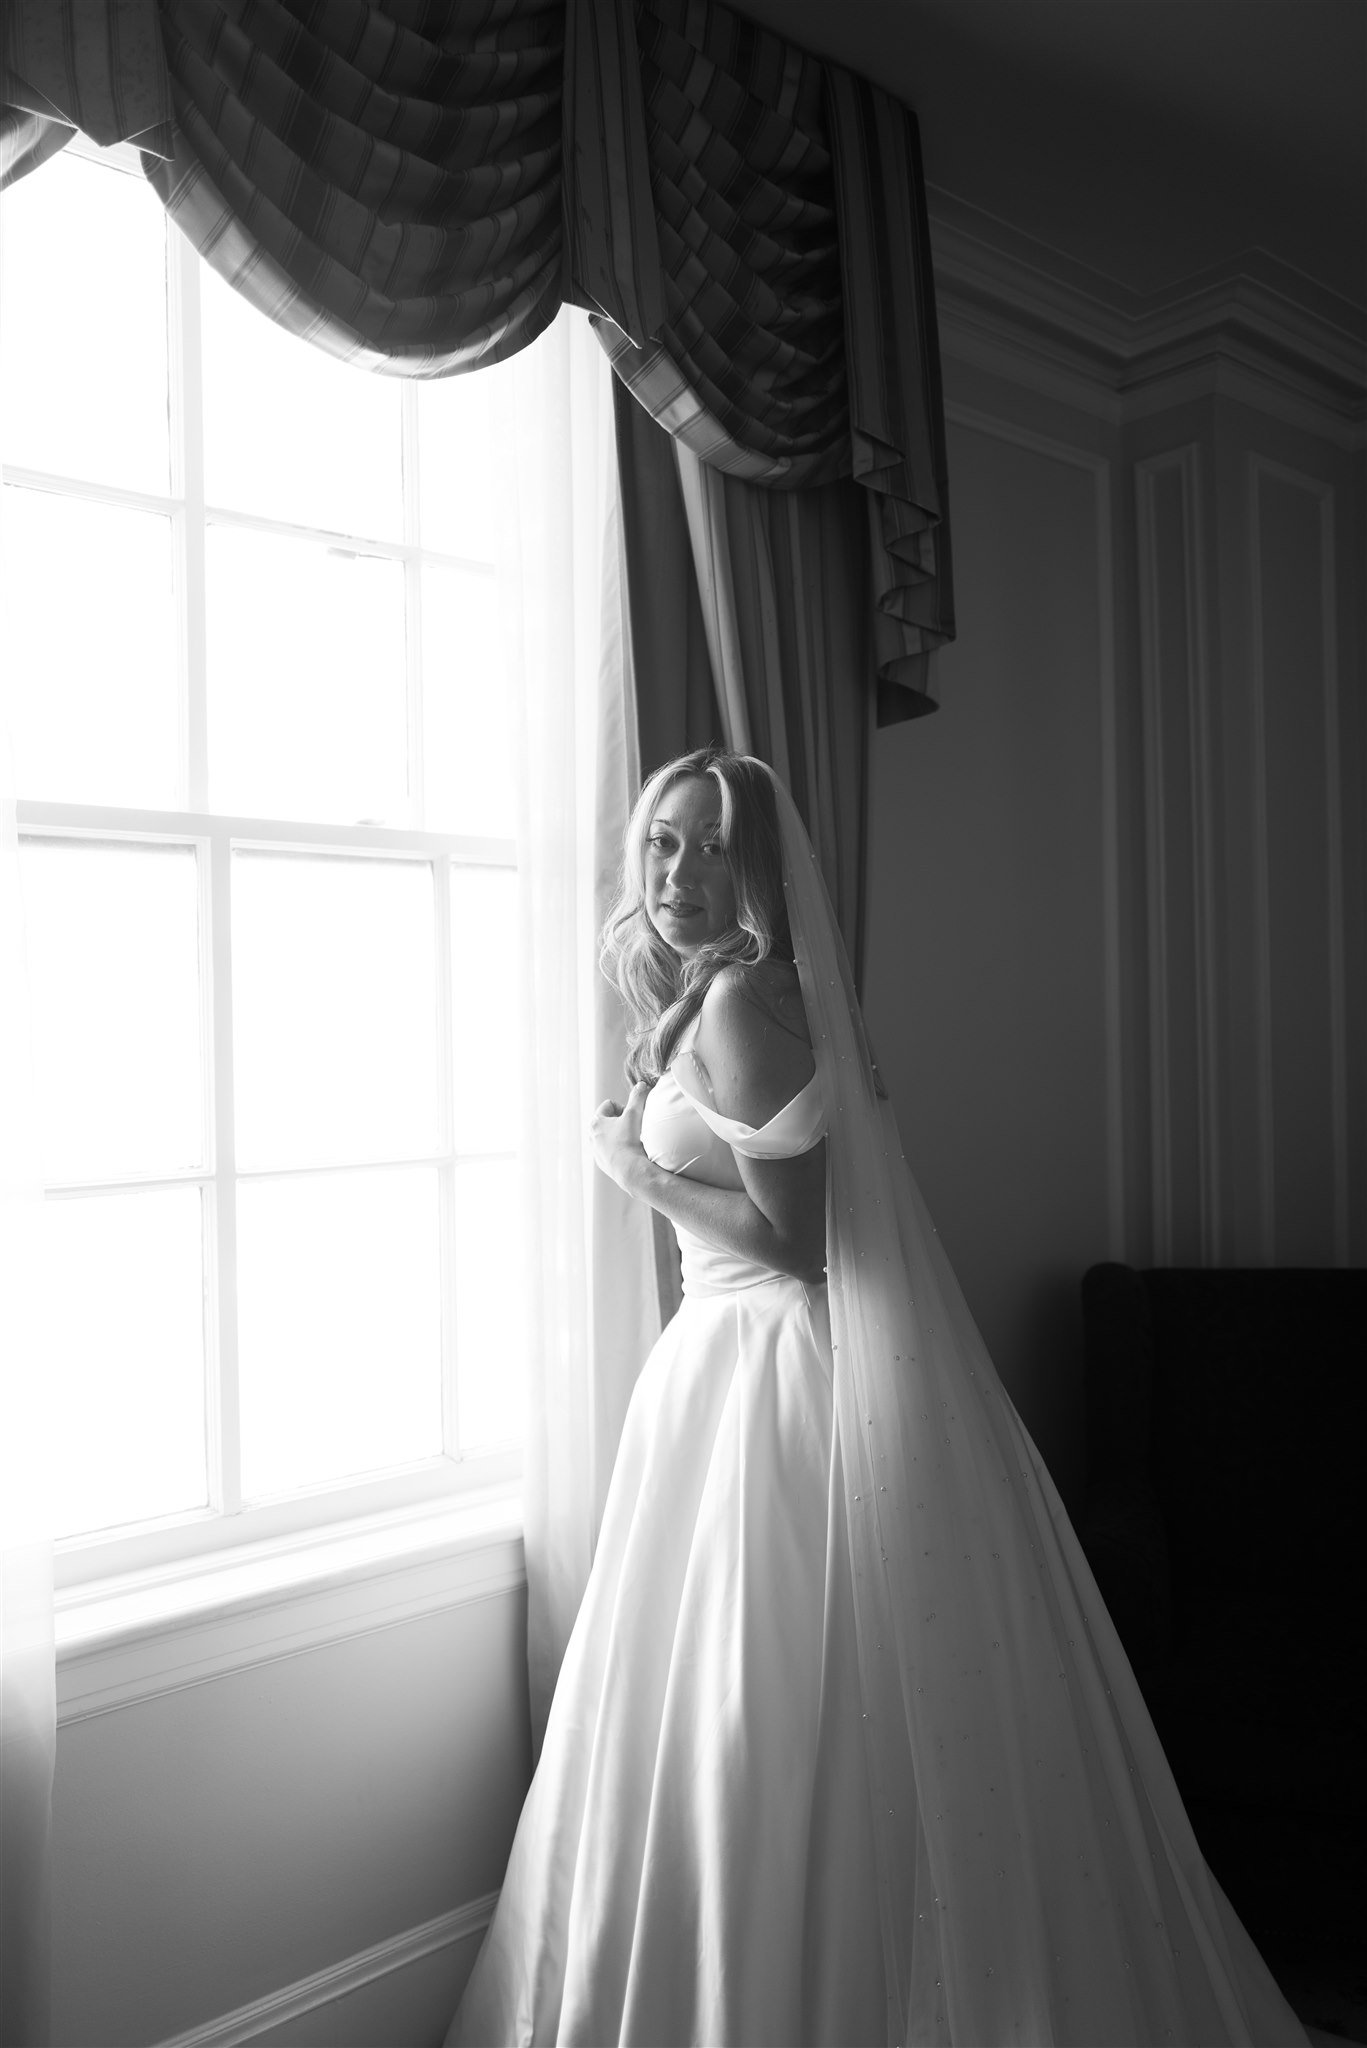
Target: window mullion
{"x": 223, "y": 1404}
{"x": 190, "y": 443}
{"x": 446, "y": 1172}
{"x": 412, "y": 606}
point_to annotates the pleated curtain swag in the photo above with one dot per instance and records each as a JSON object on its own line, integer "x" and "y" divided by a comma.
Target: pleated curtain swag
{"x": 417, "y": 187}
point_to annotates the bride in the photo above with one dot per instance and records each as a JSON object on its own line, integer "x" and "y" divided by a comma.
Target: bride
{"x": 845, "y": 1749}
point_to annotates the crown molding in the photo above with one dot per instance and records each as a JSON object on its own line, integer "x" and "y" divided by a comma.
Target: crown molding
{"x": 1254, "y": 330}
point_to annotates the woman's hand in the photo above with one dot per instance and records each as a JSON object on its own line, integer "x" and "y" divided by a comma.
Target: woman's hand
{"x": 615, "y": 1132}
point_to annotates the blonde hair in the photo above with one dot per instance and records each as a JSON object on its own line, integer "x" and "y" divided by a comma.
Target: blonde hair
{"x": 662, "y": 992}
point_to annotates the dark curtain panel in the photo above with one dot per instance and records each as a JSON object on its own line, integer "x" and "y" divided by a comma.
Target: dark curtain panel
{"x": 798, "y": 340}
{"x": 419, "y": 186}
{"x": 676, "y": 700}
{"x": 386, "y": 184}
{"x": 96, "y": 65}
{"x": 800, "y": 569}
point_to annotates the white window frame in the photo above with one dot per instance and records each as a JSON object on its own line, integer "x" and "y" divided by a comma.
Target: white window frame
{"x": 176, "y": 1548}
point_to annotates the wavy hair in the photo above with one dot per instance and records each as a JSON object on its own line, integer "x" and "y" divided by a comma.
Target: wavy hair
{"x": 661, "y": 991}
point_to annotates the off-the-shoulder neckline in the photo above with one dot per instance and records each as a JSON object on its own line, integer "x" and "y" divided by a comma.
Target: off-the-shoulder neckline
{"x": 684, "y": 1048}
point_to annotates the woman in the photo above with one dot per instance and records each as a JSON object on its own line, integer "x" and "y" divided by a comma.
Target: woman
{"x": 844, "y": 1749}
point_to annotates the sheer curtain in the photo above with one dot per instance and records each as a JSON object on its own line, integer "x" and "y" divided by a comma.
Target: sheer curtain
{"x": 28, "y": 1703}
{"x": 590, "y": 1288}
{"x": 781, "y": 577}
{"x": 28, "y": 1706}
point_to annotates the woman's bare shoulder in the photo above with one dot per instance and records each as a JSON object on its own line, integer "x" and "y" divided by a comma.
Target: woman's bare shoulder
{"x": 753, "y": 1040}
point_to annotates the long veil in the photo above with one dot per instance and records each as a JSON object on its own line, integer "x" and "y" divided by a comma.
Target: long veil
{"x": 1039, "y": 1881}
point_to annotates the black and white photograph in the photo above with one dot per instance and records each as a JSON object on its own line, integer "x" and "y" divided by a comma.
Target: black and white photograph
{"x": 683, "y": 1023}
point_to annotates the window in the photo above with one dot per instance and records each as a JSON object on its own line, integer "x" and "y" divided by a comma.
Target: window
{"x": 266, "y": 804}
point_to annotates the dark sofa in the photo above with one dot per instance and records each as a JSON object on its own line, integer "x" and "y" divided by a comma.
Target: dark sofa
{"x": 1224, "y": 1518}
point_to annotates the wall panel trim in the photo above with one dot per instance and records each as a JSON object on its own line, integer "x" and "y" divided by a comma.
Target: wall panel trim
{"x": 1099, "y": 468}
{"x": 1262, "y": 884}
{"x": 1260, "y": 466}
{"x": 260, "y": 2018}
{"x": 1186, "y": 464}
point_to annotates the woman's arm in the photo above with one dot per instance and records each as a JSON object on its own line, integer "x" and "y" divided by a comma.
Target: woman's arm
{"x": 757, "y": 1062}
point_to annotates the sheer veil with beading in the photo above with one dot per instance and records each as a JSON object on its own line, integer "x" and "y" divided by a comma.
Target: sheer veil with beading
{"x": 1038, "y": 1879}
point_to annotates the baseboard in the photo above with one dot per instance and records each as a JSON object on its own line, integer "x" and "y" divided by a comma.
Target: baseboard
{"x": 278, "y": 2010}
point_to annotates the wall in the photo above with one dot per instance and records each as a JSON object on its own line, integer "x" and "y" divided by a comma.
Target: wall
{"x": 221, "y": 1840}
{"x": 1117, "y": 931}
{"x": 992, "y": 861}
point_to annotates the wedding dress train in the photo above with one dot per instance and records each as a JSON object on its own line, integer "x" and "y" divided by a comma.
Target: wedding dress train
{"x": 845, "y": 1749}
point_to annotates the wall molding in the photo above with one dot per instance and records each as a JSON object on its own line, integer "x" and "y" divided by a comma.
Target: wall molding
{"x": 1322, "y": 493}
{"x": 325, "y": 1987}
{"x": 1156, "y": 868}
{"x": 1185, "y": 463}
{"x": 1262, "y": 884}
{"x": 137, "y": 1638}
{"x": 1100, "y": 469}
{"x": 1257, "y": 332}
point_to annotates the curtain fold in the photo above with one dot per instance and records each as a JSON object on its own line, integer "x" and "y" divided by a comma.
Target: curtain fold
{"x": 799, "y": 340}
{"x": 897, "y": 421}
{"x": 590, "y": 1284}
{"x": 417, "y": 188}
{"x": 747, "y": 367}
{"x": 96, "y": 65}
{"x": 386, "y": 185}
{"x": 675, "y": 697}
{"x": 782, "y": 576}
{"x": 612, "y": 253}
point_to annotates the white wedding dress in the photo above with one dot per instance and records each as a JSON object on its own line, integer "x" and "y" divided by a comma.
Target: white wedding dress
{"x": 700, "y": 1806}
{"x": 845, "y": 1749}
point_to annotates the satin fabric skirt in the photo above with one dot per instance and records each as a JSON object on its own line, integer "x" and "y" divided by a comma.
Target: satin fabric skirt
{"x": 695, "y": 1861}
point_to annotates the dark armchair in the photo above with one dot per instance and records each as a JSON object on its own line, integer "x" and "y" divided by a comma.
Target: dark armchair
{"x": 1224, "y": 1519}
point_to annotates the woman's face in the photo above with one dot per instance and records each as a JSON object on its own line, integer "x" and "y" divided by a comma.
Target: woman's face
{"x": 690, "y": 899}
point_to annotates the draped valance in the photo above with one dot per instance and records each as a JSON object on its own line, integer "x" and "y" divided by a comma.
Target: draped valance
{"x": 418, "y": 185}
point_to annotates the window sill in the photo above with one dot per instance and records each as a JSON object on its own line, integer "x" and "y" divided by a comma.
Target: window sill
{"x": 124, "y": 1639}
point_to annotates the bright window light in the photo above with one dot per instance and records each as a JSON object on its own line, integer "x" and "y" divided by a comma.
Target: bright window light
{"x": 113, "y": 947}
{"x": 290, "y": 433}
{"x": 84, "y": 258}
{"x": 267, "y": 802}
{"x": 307, "y": 706}
{"x": 124, "y": 1334}
{"x": 334, "y": 979}
{"x": 94, "y": 686}
{"x": 339, "y": 1326}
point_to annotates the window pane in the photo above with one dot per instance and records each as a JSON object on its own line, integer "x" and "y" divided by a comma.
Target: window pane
{"x": 484, "y": 994}
{"x": 463, "y": 461}
{"x": 113, "y": 947}
{"x": 490, "y": 1302}
{"x": 339, "y": 1326}
{"x": 83, "y": 334}
{"x": 334, "y": 1009}
{"x": 307, "y": 707}
{"x": 289, "y": 431}
{"x": 124, "y": 1283}
{"x": 92, "y": 682}
{"x": 467, "y": 721}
